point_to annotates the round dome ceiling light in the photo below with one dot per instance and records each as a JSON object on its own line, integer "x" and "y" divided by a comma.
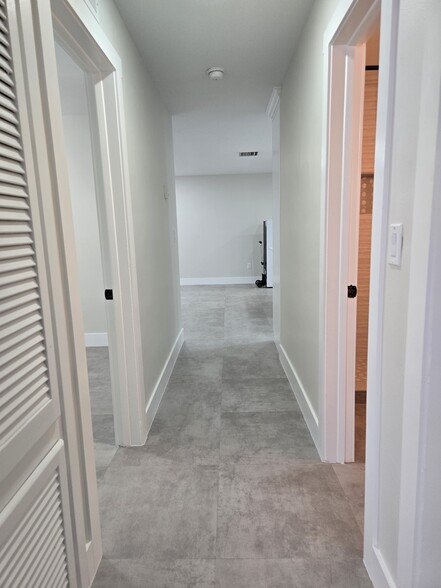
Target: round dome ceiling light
{"x": 216, "y": 73}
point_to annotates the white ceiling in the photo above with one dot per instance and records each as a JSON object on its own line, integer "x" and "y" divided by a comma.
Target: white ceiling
{"x": 253, "y": 40}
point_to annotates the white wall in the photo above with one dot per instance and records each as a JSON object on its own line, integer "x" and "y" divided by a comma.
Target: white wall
{"x": 220, "y": 224}
{"x": 301, "y": 115}
{"x": 414, "y": 161}
{"x": 276, "y": 224}
{"x": 150, "y": 161}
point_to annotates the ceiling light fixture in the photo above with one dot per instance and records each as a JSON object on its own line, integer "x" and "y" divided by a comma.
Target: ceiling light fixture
{"x": 216, "y": 73}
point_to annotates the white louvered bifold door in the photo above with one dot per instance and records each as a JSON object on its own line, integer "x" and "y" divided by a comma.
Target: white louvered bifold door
{"x": 35, "y": 538}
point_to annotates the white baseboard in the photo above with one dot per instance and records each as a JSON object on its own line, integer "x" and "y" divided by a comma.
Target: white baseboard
{"x": 218, "y": 281}
{"x": 96, "y": 339}
{"x": 161, "y": 384}
{"x": 308, "y": 412}
{"x": 377, "y": 569}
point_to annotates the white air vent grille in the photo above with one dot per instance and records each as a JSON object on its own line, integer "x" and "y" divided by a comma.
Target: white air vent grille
{"x": 35, "y": 554}
{"x": 24, "y": 388}
{"x": 248, "y": 153}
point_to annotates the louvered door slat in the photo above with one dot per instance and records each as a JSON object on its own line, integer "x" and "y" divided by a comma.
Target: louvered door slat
{"x": 5, "y": 65}
{"x": 17, "y": 326}
{"x": 15, "y": 314}
{"x": 20, "y": 347}
{"x": 28, "y": 356}
{"x": 3, "y": 28}
{"x": 3, "y": 39}
{"x": 8, "y": 190}
{"x": 60, "y": 577}
{"x": 24, "y": 406}
{"x": 4, "y": 52}
{"x": 8, "y": 343}
{"x": 15, "y": 215}
{"x": 6, "y": 114}
{"x": 26, "y": 533}
{"x": 24, "y": 575}
{"x": 5, "y": 77}
{"x": 54, "y": 549}
{"x": 15, "y": 252}
{"x": 10, "y": 129}
{"x": 13, "y": 202}
{"x": 18, "y": 276}
{"x": 12, "y": 228}
{"x": 11, "y": 265}
{"x": 14, "y": 384}
{"x": 16, "y": 289}
{"x": 19, "y": 301}
{"x": 5, "y": 89}
{"x": 5, "y": 176}
{"x": 11, "y": 166}
{"x": 53, "y": 571}
{"x": 7, "y": 103}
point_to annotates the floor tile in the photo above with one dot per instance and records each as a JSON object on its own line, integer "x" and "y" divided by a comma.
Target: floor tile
{"x": 351, "y": 478}
{"x": 253, "y": 360}
{"x": 159, "y": 512}
{"x": 279, "y": 511}
{"x": 291, "y": 573}
{"x": 250, "y": 436}
{"x": 103, "y": 429}
{"x": 129, "y": 573}
{"x": 229, "y": 470}
{"x": 104, "y": 453}
{"x": 202, "y": 368}
{"x": 256, "y": 396}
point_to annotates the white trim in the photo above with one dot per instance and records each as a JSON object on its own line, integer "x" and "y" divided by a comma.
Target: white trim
{"x": 349, "y": 26}
{"x": 376, "y": 566}
{"x": 96, "y": 339}
{"x": 306, "y": 407}
{"x": 342, "y": 124}
{"x": 419, "y": 515}
{"x": 82, "y": 37}
{"x": 383, "y": 154}
{"x": 218, "y": 281}
{"x": 161, "y": 384}
{"x": 274, "y": 102}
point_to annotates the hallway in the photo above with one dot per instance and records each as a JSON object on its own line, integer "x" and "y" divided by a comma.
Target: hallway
{"x": 229, "y": 490}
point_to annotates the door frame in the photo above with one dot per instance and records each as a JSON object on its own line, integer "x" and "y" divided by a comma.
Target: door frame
{"x": 344, "y": 48}
{"x": 32, "y": 28}
{"x": 80, "y": 35}
{"x": 348, "y": 28}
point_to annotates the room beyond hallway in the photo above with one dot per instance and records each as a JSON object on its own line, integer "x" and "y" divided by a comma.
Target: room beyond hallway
{"x": 229, "y": 490}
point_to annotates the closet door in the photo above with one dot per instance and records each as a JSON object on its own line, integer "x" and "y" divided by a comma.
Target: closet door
{"x": 36, "y": 547}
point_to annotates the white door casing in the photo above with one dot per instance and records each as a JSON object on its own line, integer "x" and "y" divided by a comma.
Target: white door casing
{"x": 348, "y": 28}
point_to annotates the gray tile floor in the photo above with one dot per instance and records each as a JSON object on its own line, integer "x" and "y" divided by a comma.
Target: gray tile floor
{"x": 229, "y": 490}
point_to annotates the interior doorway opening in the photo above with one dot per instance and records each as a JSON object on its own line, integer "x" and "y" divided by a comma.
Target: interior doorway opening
{"x": 90, "y": 250}
{"x": 366, "y": 195}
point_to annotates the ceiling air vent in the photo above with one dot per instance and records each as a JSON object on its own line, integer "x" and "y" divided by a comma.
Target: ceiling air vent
{"x": 248, "y": 153}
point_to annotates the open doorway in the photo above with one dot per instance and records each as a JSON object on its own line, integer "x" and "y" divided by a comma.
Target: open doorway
{"x": 89, "y": 251}
{"x": 364, "y": 240}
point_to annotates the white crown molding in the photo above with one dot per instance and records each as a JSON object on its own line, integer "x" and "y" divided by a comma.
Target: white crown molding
{"x": 274, "y": 102}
